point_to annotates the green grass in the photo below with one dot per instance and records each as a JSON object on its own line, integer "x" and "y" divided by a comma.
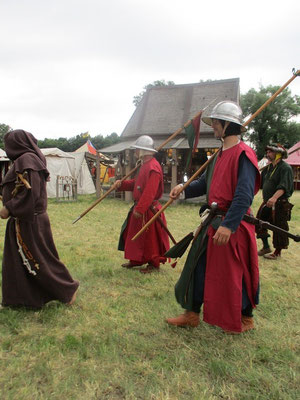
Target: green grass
{"x": 114, "y": 344}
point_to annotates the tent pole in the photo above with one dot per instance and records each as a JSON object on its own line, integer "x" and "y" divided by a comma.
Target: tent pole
{"x": 98, "y": 186}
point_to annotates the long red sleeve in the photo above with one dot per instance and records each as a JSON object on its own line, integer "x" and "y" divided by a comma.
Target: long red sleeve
{"x": 127, "y": 186}
{"x": 149, "y": 193}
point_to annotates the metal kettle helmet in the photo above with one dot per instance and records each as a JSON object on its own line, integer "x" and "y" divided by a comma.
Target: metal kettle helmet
{"x": 226, "y": 111}
{"x": 144, "y": 142}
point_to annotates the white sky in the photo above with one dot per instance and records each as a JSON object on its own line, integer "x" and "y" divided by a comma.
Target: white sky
{"x": 71, "y": 66}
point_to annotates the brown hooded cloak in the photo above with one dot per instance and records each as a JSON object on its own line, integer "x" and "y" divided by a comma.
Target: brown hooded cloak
{"x": 32, "y": 273}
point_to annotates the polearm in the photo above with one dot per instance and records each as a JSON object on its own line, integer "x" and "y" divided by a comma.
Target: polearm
{"x": 165, "y": 228}
{"x": 202, "y": 168}
{"x": 266, "y": 225}
{"x": 170, "y": 201}
{"x": 137, "y": 166}
{"x": 295, "y": 74}
{"x": 105, "y": 195}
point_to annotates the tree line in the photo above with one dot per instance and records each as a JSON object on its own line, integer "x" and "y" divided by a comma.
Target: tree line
{"x": 71, "y": 144}
{"x": 277, "y": 123}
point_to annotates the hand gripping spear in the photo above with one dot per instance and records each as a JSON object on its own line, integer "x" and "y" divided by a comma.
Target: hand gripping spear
{"x": 203, "y": 167}
{"x": 137, "y": 166}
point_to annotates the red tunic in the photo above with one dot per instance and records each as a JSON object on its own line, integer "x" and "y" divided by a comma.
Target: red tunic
{"x": 228, "y": 265}
{"x": 147, "y": 188}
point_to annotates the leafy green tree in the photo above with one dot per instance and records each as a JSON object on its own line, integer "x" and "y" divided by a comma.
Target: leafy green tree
{"x": 3, "y": 130}
{"x": 77, "y": 141}
{"x": 137, "y": 99}
{"x": 100, "y": 142}
{"x": 276, "y": 123}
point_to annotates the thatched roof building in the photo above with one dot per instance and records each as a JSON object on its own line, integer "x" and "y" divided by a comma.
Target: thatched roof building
{"x": 165, "y": 109}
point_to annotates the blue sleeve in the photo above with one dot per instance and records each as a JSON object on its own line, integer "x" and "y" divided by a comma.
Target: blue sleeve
{"x": 243, "y": 195}
{"x": 196, "y": 188}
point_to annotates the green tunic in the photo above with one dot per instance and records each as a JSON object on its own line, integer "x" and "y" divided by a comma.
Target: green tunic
{"x": 184, "y": 288}
{"x": 275, "y": 178}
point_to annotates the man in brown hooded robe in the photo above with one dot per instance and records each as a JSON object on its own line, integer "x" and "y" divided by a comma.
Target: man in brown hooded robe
{"x": 32, "y": 273}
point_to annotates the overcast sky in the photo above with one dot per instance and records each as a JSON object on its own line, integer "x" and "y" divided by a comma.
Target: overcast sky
{"x": 71, "y": 66}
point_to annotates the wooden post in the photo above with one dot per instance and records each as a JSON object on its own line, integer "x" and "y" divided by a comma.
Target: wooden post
{"x": 98, "y": 186}
{"x": 128, "y": 167}
{"x": 174, "y": 168}
{"x": 57, "y": 188}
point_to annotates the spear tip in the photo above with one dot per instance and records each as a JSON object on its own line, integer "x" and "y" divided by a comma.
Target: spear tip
{"x": 77, "y": 219}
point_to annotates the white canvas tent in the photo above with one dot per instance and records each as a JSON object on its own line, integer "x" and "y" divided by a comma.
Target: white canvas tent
{"x": 4, "y": 164}
{"x": 85, "y": 184}
{"x": 3, "y": 156}
{"x": 59, "y": 163}
{"x": 263, "y": 162}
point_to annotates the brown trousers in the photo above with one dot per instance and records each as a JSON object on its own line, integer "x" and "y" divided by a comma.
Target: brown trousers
{"x": 279, "y": 217}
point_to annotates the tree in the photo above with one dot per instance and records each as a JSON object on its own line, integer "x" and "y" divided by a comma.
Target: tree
{"x": 3, "y": 130}
{"x": 275, "y": 123}
{"x": 100, "y": 142}
{"x": 75, "y": 142}
{"x": 137, "y": 99}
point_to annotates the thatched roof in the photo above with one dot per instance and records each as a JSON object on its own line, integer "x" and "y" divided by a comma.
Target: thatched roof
{"x": 164, "y": 109}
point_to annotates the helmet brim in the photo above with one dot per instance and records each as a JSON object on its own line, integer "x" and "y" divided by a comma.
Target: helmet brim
{"x": 208, "y": 121}
{"x": 143, "y": 148}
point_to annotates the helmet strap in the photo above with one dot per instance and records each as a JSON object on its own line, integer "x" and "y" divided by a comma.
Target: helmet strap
{"x": 146, "y": 153}
{"x": 225, "y": 127}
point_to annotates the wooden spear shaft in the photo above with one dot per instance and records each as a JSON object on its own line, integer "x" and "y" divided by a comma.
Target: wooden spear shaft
{"x": 297, "y": 73}
{"x": 170, "y": 201}
{"x": 136, "y": 167}
{"x": 202, "y": 168}
{"x": 105, "y": 195}
{"x": 184, "y": 126}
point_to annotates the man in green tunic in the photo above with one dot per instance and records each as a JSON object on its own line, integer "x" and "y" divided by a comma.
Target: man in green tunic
{"x": 277, "y": 187}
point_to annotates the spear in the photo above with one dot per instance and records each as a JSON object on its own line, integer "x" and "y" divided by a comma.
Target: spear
{"x": 203, "y": 167}
{"x": 138, "y": 164}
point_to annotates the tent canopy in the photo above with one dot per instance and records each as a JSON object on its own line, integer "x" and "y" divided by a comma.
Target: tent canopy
{"x": 3, "y": 156}
{"x": 85, "y": 184}
{"x": 61, "y": 163}
{"x": 87, "y": 147}
{"x": 294, "y": 155}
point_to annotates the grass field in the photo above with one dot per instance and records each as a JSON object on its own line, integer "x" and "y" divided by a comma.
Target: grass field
{"x": 114, "y": 344}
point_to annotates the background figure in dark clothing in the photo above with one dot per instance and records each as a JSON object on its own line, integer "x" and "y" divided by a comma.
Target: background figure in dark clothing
{"x": 277, "y": 187}
{"x": 32, "y": 273}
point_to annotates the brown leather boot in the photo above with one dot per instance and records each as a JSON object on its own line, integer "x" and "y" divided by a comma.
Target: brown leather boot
{"x": 263, "y": 251}
{"x": 189, "y": 318}
{"x": 149, "y": 269}
{"x": 247, "y": 323}
{"x": 273, "y": 256}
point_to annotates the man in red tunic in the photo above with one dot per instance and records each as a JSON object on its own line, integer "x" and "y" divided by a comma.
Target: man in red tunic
{"x": 221, "y": 270}
{"x": 147, "y": 188}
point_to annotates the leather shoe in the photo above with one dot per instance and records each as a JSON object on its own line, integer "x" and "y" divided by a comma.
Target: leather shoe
{"x": 247, "y": 325}
{"x": 189, "y": 318}
{"x": 149, "y": 269}
{"x": 263, "y": 251}
{"x": 272, "y": 256}
{"x": 129, "y": 265}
